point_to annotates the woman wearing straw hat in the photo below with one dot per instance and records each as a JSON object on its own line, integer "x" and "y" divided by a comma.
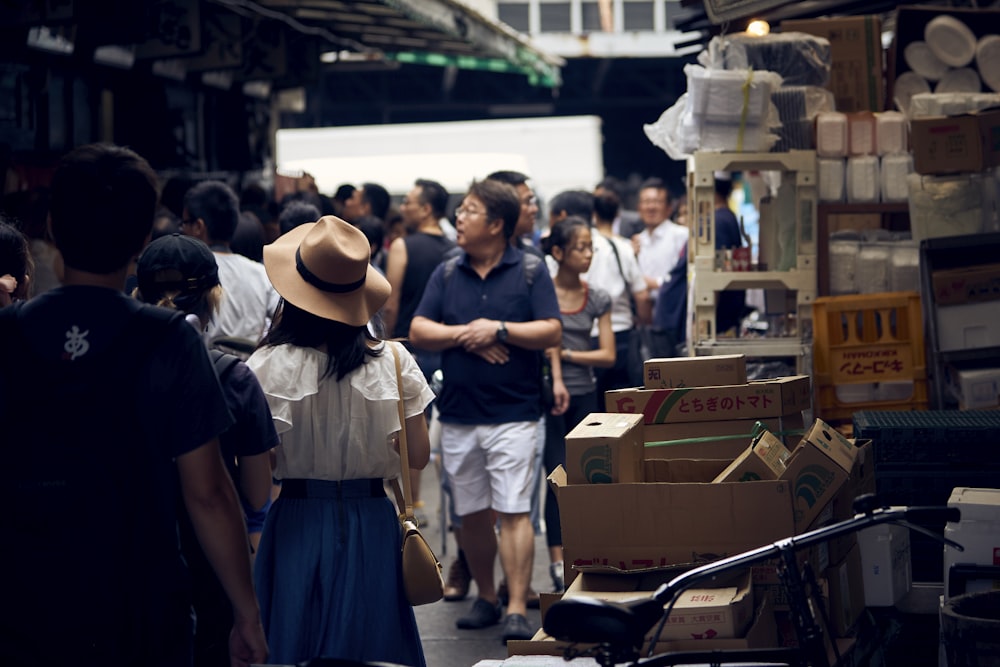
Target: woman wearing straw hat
{"x": 328, "y": 572}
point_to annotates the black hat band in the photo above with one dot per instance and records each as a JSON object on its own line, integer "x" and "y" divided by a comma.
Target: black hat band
{"x": 321, "y": 284}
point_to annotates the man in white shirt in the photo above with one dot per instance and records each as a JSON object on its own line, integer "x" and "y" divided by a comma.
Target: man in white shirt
{"x": 660, "y": 247}
{"x": 211, "y": 211}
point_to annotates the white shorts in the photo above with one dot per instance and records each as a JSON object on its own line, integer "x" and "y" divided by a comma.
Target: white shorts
{"x": 490, "y": 466}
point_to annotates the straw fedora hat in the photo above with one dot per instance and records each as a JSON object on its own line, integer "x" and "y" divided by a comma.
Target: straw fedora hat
{"x": 323, "y": 268}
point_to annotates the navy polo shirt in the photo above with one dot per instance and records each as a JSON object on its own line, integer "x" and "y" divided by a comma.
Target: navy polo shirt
{"x": 474, "y": 391}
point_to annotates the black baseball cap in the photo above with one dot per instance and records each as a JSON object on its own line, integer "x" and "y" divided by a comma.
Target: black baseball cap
{"x": 176, "y": 263}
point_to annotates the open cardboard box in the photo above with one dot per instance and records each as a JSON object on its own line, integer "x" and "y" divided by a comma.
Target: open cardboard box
{"x": 604, "y": 448}
{"x": 765, "y": 398}
{"x": 762, "y": 633}
{"x": 676, "y": 518}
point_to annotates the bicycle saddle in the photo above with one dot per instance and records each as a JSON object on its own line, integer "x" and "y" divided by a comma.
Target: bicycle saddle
{"x": 602, "y": 622}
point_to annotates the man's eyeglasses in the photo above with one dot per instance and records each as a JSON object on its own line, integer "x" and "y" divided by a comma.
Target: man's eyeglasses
{"x": 530, "y": 201}
{"x": 467, "y": 212}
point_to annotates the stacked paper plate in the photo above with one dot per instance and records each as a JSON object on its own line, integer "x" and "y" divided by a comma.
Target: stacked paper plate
{"x": 988, "y": 61}
{"x": 921, "y": 59}
{"x": 960, "y": 80}
{"x": 907, "y": 85}
{"x": 950, "y": 40}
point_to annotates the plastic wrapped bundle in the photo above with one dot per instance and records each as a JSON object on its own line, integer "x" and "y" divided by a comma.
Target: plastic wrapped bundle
{"x": 800, "y": 59}
{"x": 844, "y": 248}
{"x": 797, "y": 108}
{"x": 831, "y": 175}
{"x": 831, "y": 134}
{"x": 722, "y": 111}
{"x": 948, "y": 205}
{"x": 863, "y": 184}
{"x": 730, "y": 96}
{"x": 950, "y": 104}
{"x": 904, "y": 267}
{"x": 894, "y": 172}
{"x": 872, "y": 273}
{"x": 891, "y": 132}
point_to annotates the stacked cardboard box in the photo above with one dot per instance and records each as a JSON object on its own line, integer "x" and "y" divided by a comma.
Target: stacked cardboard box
{"x": 692, "y": 511}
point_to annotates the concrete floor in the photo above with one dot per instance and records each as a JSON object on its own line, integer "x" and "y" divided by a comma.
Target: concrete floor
{"x": 444, "y": 644}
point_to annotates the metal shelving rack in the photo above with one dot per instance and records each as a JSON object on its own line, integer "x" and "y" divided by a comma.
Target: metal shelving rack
{"x": 799, "y": 196}
{"x": 938, "y": 254}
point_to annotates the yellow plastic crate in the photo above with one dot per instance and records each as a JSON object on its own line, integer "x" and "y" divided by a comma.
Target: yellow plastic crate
{"x": 868, "y": 354}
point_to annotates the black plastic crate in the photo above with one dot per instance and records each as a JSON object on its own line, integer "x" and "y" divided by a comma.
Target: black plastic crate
{"x": 932, "y": 437}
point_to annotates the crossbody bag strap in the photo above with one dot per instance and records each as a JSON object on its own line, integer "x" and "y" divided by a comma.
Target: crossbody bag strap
{"x": 403, "y": 503}
{"x": 628, "y": 288}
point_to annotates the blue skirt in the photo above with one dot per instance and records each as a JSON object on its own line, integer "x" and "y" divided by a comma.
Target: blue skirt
{"x": 329, "y": 578}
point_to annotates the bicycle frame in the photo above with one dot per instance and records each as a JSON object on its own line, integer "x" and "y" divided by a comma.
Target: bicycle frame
{"x": 566, "y": 619}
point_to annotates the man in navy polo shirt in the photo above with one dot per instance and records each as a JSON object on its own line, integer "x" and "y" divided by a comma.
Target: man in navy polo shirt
{"x": 489, "y": 321}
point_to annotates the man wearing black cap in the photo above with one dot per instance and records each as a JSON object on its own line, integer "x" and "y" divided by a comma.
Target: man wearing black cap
{"x": 110, "y": 411}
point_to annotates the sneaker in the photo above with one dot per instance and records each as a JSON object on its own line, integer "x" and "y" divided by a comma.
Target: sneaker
{"x": 556, "y": 572}
{"x": 516, "y": 626}
{"x": 456, "y": 587}
{"x": 532, "y": 602}
{"x": 482, "y": 615}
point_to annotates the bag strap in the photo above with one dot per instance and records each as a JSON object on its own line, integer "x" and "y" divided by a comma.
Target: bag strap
{"x": 628, "y": 288}
{"x": 403, "y": 503}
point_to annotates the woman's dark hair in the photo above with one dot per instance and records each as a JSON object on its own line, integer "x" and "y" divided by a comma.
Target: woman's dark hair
{"x": 346, "y": 345}
{"x": 564, "y": 233}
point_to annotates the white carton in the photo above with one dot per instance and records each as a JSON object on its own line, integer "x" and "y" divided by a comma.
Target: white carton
{"x": 885, "y": 564}
{"x": 978, "y": 531}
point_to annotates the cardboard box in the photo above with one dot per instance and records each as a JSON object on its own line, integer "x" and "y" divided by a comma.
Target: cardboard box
{"x": 676, "y": 518}
{"x": 766, "y": 398}
{"x": 885, "y": 564}
{"x": 847, "y": 593}
{"x": 861, "y": 481}
{"x": 977, "y": 389}
{"x": 762, "y": 633}
{"x": 956, "y": 144}
{"x": 765, "y": 458}
{"x": 817, "y": 469}
{"x": 856, "y": 72}
{"x": 694, "y": 371}
{"x": 717, "y": 439}
{"x": 605, "y": 448}
{"x": 722, "y": 612}
{"x": 969, "y": 284}
{"x": 967, "y": 326}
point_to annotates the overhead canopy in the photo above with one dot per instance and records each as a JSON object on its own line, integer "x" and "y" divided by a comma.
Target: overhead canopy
{"x": 438, "y": 32}
{"x": 277, "y": 41}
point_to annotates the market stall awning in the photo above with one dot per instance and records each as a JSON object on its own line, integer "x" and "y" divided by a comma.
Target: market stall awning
{"x": 435, "y": 32}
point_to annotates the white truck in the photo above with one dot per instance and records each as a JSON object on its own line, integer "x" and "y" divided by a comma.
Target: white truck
{"x": 557, "y": 153}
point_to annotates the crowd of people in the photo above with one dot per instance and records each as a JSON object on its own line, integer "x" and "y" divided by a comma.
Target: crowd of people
{"x": 200, "y": 402}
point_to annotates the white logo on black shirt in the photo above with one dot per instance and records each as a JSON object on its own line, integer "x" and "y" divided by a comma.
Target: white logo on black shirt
{"x": 76, "y": 342}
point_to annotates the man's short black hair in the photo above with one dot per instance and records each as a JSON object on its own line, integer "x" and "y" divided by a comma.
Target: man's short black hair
{"x": 433, "y": 193}
{"x": 500, "y": 200}
{"x": 574, "y": 202}
{"x": 103, "y": 202}
{"x": 606, "y": 206}
{"x": 377, "y": 197}
{"x": 216, "y": 204}
{"x": 510, "y": 177}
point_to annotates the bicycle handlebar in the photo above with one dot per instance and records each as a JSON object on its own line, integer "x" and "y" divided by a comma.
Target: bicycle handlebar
{"x": 901, "y": 514}
{"x": 583, "y": 620}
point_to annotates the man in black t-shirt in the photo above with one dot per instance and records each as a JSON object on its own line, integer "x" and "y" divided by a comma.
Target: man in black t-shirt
{"x": 110, "y": 409}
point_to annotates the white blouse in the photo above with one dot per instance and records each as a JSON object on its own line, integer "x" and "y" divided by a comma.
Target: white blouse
{"x": 337, "y": 430}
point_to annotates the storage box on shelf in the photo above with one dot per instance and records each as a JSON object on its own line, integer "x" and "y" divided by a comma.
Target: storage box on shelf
{"x": 787, "y": 252}
{"x": 868, "y": 353}
{"x": 960, "y": 306}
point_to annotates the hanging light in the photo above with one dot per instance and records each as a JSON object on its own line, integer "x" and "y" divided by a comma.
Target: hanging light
{"x": 758, "y": 28}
